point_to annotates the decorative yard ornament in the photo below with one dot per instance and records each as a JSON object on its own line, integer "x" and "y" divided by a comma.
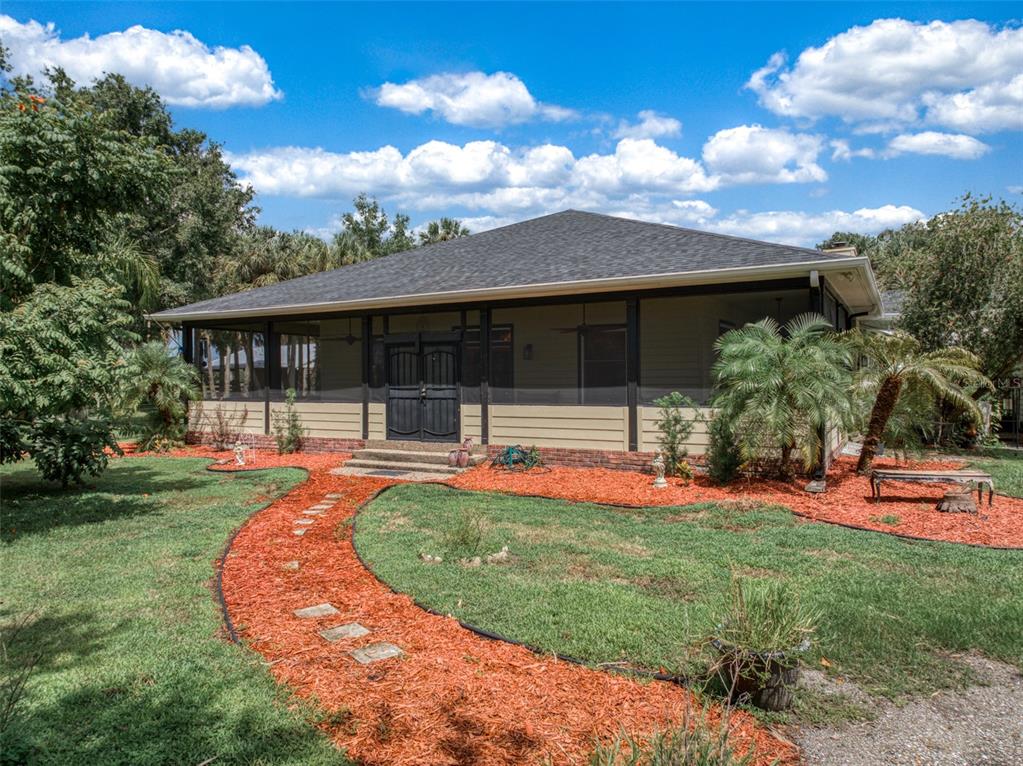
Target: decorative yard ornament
{"x": 658, "y": 466}
{"x": 239, "y": 453}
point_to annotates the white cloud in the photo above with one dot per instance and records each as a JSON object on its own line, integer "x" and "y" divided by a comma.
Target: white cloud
{"x": 800, "y": 228}
{"x": 842, "y": 151}
{"x": 475, "y": 99}
{"x": 754, "y": 154}
{"x": 650, "y": 125}
{"x": 954, "y": 145}
{"x": 182, "y": 69}
{"x": 485, "y": 169}
{"x": 1014, "y": 189}
{"x": 962, "y": 74}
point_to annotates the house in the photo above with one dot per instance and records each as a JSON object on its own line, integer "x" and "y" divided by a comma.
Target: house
{"x": 586, "y": 320}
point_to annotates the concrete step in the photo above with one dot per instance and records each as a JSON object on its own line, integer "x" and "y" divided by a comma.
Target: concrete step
{"x": 409, "y": 456}
{"x": 394, "y": 473}
{"x": 407, "y": 465}
{"x": 413, "y": 446}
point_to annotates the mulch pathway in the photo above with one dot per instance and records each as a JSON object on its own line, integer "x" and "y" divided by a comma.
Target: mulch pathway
{"x": 454, "y": 698}
{"x": 847, "y": 501}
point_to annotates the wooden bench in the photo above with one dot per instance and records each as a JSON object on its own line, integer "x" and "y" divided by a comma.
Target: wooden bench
{"x": 981, "y": 478}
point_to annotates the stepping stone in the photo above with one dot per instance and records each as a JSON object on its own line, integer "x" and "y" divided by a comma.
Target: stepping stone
{"x": 324, "y": 506}
{"x": 300, "y": 531}
{"x": 305, "y": 521}
{"x": 333, "y": 496}
{"x": 381, "y": 650}
{"x": 320, "y": 610}
{"x": 341, "y": 632}
{"x": 290, "y": 565}
{"x": 312, "y": 512}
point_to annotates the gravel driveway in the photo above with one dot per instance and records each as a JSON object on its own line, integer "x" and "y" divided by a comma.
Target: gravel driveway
{"x": 978, "y": 726}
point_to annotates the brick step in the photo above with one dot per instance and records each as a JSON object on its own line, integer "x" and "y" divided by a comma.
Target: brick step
{"x": 410, "y": 456}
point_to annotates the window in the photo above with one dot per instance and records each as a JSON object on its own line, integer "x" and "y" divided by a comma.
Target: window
{"x": 320, "y": 359}
{"x": 231, "y": 361}
{"x": 502, "y": 362}
{"x": 602, "y": 349}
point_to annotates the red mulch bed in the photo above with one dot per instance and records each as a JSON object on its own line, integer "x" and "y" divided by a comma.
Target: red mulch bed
{"x": 455, "y": 698}
{"x": 847, "y": 500}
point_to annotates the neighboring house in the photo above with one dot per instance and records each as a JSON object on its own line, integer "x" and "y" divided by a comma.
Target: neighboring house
{"x": 588, "y": 319}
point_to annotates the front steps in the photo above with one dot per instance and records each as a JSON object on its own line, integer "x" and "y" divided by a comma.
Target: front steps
{"x": 419, "y": 461}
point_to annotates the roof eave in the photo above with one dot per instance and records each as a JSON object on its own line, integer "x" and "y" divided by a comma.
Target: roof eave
{"x": 858, "y": 264}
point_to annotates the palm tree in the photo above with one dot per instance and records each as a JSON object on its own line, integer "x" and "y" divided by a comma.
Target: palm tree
{"x": 442, "y": 231}
{"x": 894, "y": 364}
{"x": 780, "y": 388}
{"x": 163, "y": 381}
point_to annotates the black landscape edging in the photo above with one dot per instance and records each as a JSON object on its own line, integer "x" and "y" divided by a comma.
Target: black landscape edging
{"x": 492, "y": 635}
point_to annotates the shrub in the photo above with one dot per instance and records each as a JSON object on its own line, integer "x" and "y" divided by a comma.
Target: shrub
{"x": 694, "y": 742}
{"x": 675, "y": 430}
{"x": 224, "y": 426}
{"x": 466, "y": 534}
{"x": 163, "y": 383}
{"x": 287, "y": 425}
{"x": 66, "y": 448}
{"x": 764, "y": 616}
{"x": 723, "y": 456}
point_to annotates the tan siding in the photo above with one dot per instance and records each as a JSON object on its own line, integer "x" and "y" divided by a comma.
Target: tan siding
{"x": 649, "y": 434}
{"x": 328, "y": 420}
{"x": 471, "y": 421}
{"x": 200, "y": 417}
{"x": 603, "y": 428}
{"x": 377, "y": 418}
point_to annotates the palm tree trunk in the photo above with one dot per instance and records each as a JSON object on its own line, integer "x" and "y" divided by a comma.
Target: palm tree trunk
{"x": 238, "y": 364}
{"x": 249, "y": 369}
{"x": 785, "y": 469}
{"x": 884, "y": 405}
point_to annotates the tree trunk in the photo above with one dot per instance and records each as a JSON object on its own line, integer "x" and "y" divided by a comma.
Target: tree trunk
{"x": 236, "y": 351}
{"x": 884, "y": 405}
{"x": 785, "y": 469}
{"x": 250, "y": 371}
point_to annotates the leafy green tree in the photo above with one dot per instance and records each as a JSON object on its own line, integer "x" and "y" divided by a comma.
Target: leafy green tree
{"x": 895, "y": 365}
{"x": 442, "y": 230}
{"x": 164, "y": 382}
{"x": 968, "y": 290}
{"x": 779, "y": 388}
{"x": 367, "y": 232}
{"x": 70, "y": 184}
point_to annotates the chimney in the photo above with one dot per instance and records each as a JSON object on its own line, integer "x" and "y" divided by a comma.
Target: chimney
{"x": 838, "y": 247}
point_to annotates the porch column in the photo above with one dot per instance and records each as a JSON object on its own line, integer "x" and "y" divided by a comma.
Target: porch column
{"x": 485, "y": 376}
{"x": 187, "y": 353}
{"x": 632, "y": 369}
{"x": 267, "y": 345}
{"x": 817, "y": 306}
{"x": 367, "y": 347}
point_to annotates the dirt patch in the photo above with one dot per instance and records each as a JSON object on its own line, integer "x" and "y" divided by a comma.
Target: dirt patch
{"x": 667, "y": 587}
{"x": 395, "y": 522}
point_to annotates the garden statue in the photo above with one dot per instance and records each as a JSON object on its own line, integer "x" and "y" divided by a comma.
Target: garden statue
{"x": 239, "y": 453}
{"x": 658, "y": 466}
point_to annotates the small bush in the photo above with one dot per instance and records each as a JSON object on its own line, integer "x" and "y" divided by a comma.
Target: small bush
{"x": 724, "y": 459}
{"x": 287, "y": 425}
{"x": 675, "y": 430}
{"x": 65, "y": 448}
{"x": 764, "y": 616}
{"x": 465, "y": 536}
{"x": 223, "y": 426}
{"x": 694, "y": 742}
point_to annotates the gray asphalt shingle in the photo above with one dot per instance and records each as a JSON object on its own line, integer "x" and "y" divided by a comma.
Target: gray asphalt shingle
{"x": 562, "y": 247}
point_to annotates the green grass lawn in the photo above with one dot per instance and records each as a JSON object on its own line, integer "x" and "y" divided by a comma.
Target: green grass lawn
{"x": 115, "y": 582}
{"x": 607, "y": 584}
{"x": 1005, "y": 467}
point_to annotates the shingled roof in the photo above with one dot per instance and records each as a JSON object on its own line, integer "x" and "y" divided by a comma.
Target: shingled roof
{"x": 553, "y": 254}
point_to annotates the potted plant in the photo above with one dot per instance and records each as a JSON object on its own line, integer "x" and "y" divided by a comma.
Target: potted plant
{"x": 762, "y": 632}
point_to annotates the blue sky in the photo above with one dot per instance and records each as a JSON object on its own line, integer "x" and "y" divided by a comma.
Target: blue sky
{"x": 775, "y": 121}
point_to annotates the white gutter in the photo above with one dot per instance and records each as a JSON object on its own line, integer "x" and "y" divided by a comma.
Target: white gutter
{"x": 537, "y": 290}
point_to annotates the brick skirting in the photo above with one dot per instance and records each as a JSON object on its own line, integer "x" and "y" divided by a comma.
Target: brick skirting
{"x": 588, "y": 458}
{"x": 309, "y": 443}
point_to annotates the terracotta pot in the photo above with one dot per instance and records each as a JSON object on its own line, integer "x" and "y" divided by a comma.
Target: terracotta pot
{"x": 463, "y": 458}
{"x": 453, "y": 458}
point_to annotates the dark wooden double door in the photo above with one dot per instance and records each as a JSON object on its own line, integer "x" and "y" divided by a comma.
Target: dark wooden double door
{"x": 422, "y": 389}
